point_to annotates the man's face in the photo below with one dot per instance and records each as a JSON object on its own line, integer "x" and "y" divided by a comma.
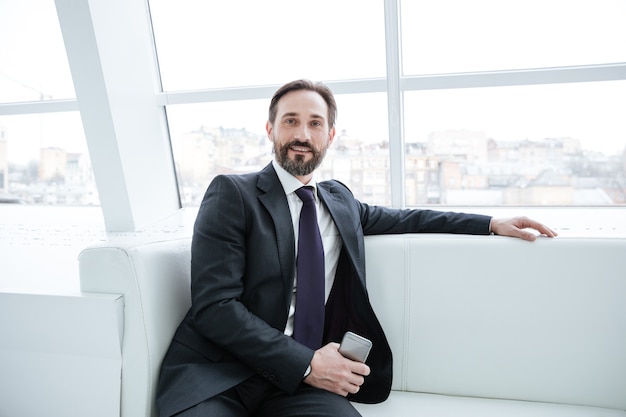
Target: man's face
{"x": 300, "y": 133}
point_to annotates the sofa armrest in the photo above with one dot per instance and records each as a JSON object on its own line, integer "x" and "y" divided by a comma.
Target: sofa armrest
{"x": 154, "y": 280}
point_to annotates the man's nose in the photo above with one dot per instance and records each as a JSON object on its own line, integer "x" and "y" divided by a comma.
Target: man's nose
{"x": 303, "y": 133}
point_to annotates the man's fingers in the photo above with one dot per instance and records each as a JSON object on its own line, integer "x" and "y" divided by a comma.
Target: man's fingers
{"x": 333, "y": 372}
{"x": 516, "y": 226}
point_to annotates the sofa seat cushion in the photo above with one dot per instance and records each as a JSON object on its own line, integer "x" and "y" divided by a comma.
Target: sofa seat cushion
{"x": 411, "y": 404}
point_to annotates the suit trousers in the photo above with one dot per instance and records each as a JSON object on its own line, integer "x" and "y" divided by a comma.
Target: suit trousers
{"x": 256, "y": 397}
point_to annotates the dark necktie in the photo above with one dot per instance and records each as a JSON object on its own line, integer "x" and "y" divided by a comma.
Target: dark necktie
{"x": 309, "y": 316}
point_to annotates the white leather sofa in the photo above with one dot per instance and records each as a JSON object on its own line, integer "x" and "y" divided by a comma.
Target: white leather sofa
{"x": 479, "y": 326}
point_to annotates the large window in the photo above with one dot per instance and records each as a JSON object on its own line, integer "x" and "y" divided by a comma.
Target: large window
{"x": 447, "y": 102}
{"x": 271, "y": 43}
{"x": 43, "y": 151}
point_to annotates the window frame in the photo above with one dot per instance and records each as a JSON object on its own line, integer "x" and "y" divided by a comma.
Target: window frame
{"x": 96, "y": 69}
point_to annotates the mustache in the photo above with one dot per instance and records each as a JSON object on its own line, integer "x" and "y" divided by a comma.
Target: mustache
{"x": 301, "y": 144}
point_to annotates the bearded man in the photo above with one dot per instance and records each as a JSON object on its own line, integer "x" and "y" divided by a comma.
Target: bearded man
{"x": 249, "y": 345}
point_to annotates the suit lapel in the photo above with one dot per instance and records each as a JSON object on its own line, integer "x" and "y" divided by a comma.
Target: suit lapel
{"x": 345, "y": 222}
{"x": 272, "y": 197}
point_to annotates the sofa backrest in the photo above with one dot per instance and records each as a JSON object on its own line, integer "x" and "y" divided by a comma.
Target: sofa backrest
{"x": 475, "y": 316}
{"x": 498, "y": 317}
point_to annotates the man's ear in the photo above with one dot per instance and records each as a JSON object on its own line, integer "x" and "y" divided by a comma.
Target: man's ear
{"x": 269, "y": 128}
{"x": 331, "y": 136}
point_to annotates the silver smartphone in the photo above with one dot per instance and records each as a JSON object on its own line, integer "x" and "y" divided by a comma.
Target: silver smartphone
{"x": 355, "y": 347}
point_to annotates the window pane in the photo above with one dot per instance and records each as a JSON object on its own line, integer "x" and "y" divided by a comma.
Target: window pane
{"x": 209, "y": 139}
{"x": 44, "y": 160}
{"x": 34, "y": 64}
{"x": 229, "y": 137}
{"x": 209, "y": 44}
{"x": 561, "y": 144}
{"x": 447, "y": 36}
{"x": 359, "y": 155}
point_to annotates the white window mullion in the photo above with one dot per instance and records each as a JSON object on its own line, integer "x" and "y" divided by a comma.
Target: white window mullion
{"x": 394, "y": 101}
{"x": 356, "y": 86}
{"x": 37, "y": 107}
{"x": 555, "y": 75}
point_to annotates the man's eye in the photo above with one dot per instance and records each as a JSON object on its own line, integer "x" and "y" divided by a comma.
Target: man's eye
{"x": 290, "y": 121}
{"x": 316, "y": 123}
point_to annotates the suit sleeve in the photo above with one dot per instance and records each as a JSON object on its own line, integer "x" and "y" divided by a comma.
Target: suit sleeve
{"x": 377, "y": 220}
{"x": 382, "y": 220}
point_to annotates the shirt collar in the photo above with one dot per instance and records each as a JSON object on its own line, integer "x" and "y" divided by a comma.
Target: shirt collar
{"x": 289, "y": 182}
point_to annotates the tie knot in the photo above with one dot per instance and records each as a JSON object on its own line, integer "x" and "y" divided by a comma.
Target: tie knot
{"x": 305, "y": 194}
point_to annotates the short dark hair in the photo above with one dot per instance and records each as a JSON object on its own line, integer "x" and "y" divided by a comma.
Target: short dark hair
{"x": 297, "y": 85}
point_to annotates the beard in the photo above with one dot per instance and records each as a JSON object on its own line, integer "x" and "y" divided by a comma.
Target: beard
{"x": 298, "y": 166}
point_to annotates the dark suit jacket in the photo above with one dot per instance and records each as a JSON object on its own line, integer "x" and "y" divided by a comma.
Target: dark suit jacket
{"x": 242, "y": 271}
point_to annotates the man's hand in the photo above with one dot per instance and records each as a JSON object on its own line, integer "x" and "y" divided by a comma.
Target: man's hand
{"x": 333, "y": 372}
{"x": 515, "y": 226}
